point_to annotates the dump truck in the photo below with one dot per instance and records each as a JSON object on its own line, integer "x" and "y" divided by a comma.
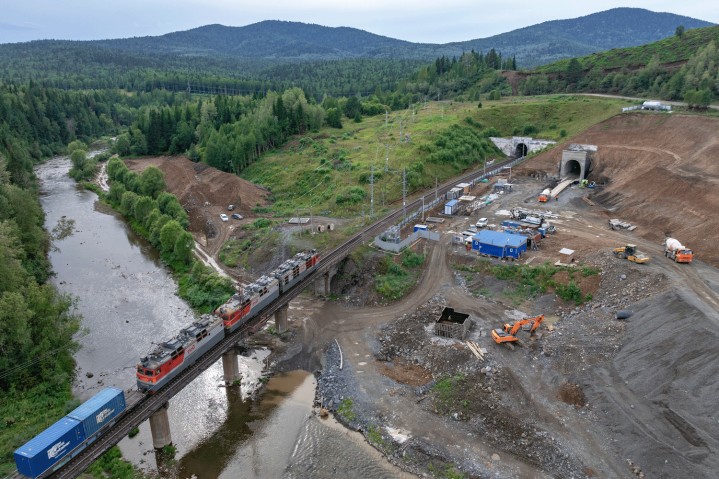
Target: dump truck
{"x": 544, "y": 195}
{"x": 630, "y": 252}
{"x": 673, "y": 249}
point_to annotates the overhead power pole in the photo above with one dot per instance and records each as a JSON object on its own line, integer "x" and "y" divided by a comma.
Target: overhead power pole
{"x": 371, "y": 192}
{"x": 404, "y": 192}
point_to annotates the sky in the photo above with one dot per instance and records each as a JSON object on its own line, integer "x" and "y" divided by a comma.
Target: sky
{"x": 423, "y": 21}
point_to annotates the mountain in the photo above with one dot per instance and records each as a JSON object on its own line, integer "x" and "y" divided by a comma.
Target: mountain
{"x": 534, "y": 45}
{"x": 277, "y": 54}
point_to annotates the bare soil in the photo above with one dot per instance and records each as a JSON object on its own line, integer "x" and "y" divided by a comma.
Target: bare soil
{"x": 205, "y": 192}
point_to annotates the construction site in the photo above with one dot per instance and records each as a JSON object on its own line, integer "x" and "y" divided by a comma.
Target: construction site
{"x": 610, "y": 383}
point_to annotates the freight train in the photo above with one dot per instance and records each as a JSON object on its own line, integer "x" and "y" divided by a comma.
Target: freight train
{"x": 52, "y": 448}
{"x": 171, "y": 357}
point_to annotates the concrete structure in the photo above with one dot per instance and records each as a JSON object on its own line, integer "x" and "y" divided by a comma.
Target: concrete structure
{"x": 452, "y": 324}
{"x": 230, "y": 368}
{"x": 566, "y": 256}
{"x": 160, "y": 427}
{"x": 281, "y": 319}
{"x": 519, "y": 146}
{"x": 577, "y": 161}
{"x": 454, "y": 193}
{"x": 499, "y": 244}
{"x": 656, "y": 106}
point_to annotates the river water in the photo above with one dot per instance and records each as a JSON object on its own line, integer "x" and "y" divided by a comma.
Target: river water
{"x": 128, "y": 300}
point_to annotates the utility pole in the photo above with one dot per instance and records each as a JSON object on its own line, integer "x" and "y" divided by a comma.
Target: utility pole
{"x": 371, "y": 192}
{"x": 386, "y": 159}
{"x": 422, "y": 208}
{"x": 386, "y": 119}
{"x": 404, "y": 192}
{"x": 436, "y": 188}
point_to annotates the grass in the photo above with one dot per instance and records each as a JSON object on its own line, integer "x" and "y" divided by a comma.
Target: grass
{"x": 530, "y": 281}
{"x": 445, "y": 471}
{"x": 447, "y": 391}
{"x": 397, "y": 278}
{"x": 316, "y": 170}
{"x": 345, "y": 410}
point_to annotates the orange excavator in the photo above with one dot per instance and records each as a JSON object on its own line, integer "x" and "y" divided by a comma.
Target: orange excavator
{"x": 508, "y": 334}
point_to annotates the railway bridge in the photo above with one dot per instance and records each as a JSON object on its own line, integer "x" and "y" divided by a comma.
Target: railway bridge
{"x": 155, "y": 407}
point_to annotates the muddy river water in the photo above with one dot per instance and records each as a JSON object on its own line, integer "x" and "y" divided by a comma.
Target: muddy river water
{"x": 128, "y": 300}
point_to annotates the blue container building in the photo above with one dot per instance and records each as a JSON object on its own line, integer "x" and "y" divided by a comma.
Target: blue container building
{"x": 50, "y": 447}
{"x": 499, "y": 244}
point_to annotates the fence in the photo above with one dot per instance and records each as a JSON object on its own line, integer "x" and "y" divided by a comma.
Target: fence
{"x": 397, "y": 247}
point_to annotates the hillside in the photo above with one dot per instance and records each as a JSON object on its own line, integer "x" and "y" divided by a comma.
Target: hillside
{"x": 660, "y": 174}
{"x": 253, "y": 56}
{"x": 670, "y": 50}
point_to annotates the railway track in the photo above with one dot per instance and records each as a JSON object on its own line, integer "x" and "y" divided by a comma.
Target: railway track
{"x": 141, "y": 407}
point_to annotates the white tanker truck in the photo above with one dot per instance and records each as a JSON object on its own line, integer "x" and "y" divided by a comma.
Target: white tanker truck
{"x": 673, "y": 249}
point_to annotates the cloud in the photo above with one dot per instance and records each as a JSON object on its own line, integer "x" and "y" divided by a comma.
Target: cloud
{"x": 17, "y": 27}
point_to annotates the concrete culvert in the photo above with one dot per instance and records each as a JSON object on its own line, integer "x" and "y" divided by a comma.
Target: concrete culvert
{"x": 624, "y": 314}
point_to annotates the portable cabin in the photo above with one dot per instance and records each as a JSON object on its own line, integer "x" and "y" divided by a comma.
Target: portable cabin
{"x": 499, "y": 244}
{"x": 451, "y": 207}
{"x": 465, "y": 187}
{"x": 419, "y": 228}
{"x": 454, "y": 193}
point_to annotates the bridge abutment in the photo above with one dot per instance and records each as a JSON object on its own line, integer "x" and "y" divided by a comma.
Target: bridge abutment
{"x": 230, "y": 367}
{"x": 160, "y": 427}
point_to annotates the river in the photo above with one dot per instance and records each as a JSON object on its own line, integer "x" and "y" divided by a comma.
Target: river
{"x": 128, "y": 300}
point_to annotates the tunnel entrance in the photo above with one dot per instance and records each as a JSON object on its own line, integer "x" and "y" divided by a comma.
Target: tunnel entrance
{"x": 571, "y": 168}
{"x": 520, "y": 150}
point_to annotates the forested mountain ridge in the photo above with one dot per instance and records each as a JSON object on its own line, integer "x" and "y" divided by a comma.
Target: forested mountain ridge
{"x": 256, "y": 51}
{"x": 533, "y": 45}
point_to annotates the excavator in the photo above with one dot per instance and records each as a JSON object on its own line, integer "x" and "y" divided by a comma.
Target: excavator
{"x": 508, "y": 334}
{"x": 629, "y": 252}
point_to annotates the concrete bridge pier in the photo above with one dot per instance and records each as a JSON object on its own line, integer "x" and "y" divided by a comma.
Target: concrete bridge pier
{"x": 160, "y": 427}
{"x": 321, "y": 287}
{"x": 230, "y": 367}
{"x": 281, "y": 319}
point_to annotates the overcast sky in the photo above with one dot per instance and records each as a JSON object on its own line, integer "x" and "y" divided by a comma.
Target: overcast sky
{"x": 426, "y": 21}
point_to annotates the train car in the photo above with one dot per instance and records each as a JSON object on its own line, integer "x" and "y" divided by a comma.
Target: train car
{"x": 245, "y": 305}
{"x": 294, "y": 269}
{"x": 169, "y": 358}
{"x": 52, "y": 448}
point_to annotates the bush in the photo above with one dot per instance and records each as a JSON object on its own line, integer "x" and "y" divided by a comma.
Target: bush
{"x": 351, "y": 196}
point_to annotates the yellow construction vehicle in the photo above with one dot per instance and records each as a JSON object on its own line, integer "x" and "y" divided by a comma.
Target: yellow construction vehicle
{"x": 508, "y": 334}
{"x": 631, "y": 253}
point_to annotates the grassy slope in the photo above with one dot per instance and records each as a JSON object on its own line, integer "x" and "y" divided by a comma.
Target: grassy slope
{"x": 299, "y": 179}
{"x": 669, "y": 50}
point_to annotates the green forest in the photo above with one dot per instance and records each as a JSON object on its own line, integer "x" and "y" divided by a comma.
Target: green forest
{"x": 236, "y": 120}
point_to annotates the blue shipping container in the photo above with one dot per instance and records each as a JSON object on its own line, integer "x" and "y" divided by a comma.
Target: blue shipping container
{"x": 420, "y": 227}
{"x": 49, "y": 447}
{"x": 99, "y": 410}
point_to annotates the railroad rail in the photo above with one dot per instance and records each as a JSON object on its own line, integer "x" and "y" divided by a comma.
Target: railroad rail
{"x": 140, "y": 407}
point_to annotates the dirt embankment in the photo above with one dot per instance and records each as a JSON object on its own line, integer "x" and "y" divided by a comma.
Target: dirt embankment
{"x": 205, "y": 192}
{"x": 661, "y": 174}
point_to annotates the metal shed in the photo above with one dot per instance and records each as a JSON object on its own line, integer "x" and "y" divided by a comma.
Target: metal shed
{"x": 499, "y": 244}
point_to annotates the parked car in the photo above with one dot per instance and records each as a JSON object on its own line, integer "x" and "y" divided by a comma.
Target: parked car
{"x": 236, "y": 216}
{"x": 230, "y": 207}
{"x": 224, "y": 217}
{"x": 482, "y": 223}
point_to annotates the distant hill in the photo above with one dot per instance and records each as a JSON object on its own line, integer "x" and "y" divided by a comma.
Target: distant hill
{"x": 534, "y": 45}
{"x": 277, "y": 54}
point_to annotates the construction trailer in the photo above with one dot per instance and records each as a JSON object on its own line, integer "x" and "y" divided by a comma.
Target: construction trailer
{"x": 465, "y": 187}
{"x": 451, "y": 207}
{"x": 452, "y": 324}
{"x": 499, "y": 244}
{"x": 453, "y": 193}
